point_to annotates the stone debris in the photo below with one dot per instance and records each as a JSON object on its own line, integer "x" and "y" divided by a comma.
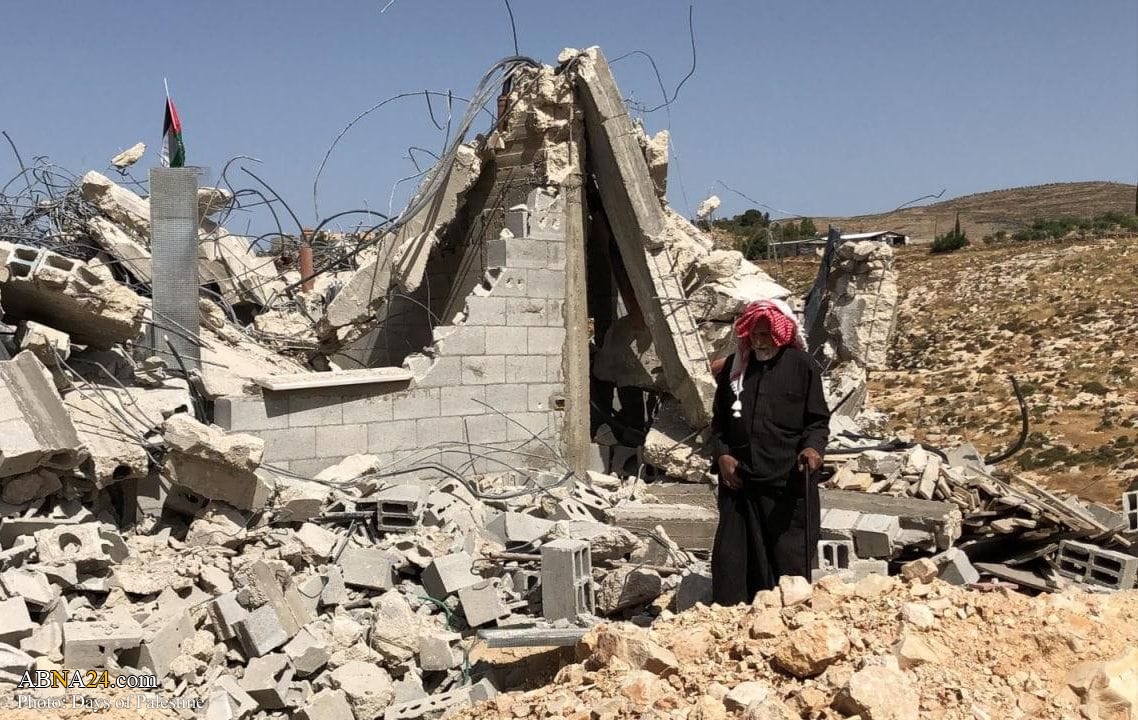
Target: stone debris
{"x": 326, "y": 515}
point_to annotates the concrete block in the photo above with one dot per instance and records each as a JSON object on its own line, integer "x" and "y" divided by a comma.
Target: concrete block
{"x": 437, "y": 651}
{"x": 299, "y": 500}
{"x": 368, "y": 409}
{"x": 319, "y": 541}
{"x": 955, "y": 567}
{"x": 15, "y": 623}
{"x": 335, "y": 591}
{"x": 690, "y": 526}
{"x": 250, "y": 414}
{"x": 391, "y": 436}
{"x": 286, "y": 601}
{"x": 367, "y": 568}
{"x": 1130, "y": 510}
{"x": 267, "y": 679}
{"x": 506, "y": 340}
{"x": 225, "y": 612}
{"x": 90, "y": 645}
{"x": 311, "y": 467}
{"x": 514, "y": 528}
{"x": 420, "y": 403}
{"x": 307, "y": 652}
{"x": 566, "y": 579}
{"x": 546, "y": 397}
{"x": 546, "y": 340}
{"x": 487, "y": 430}
{"x": 448, "y": 574}
{"x": 527, "y": 425}
{"x": 441, "y": 428}
{"x": 36, "y": 428}
{"x": 527, "y": 312}
{"x": 429, "y": 706}
{"x": 695, "y": 587}
{"x": 458, "y": 340}
{"x": 441, "y": 372}
{"x": 555, "y": 369}
{"x": 298, "y": 443}
{"x": 78, "y": 543}
{"x": 874, "y": 535}
{"x": 464, "y": 400}
{"x": 572, "y": 509}
{"x": 400, "y": 508}
{"x": 510, "y": 283}
{"x": 260, "y": 632}
{"x": 482, "y": 603}
{"x": 547, "y": 283}
{"x": 486, "y": 310}
{"x": 326, "y": 705}
{"x": 45, "y": 641}
{"x": 524, "y": 369}
{"x": 1097, "y": 566}
{"x": 227, "y": 701}
{"x": 163, "y": 644}
{"x": 507, "y": 398}
{"x": 31, "y": 585}
{"x": 340, "y": 441}
{"x": 835, "y": 554}
{"x": 483, "y": 369}
{"x": 838, "y": 524}
{"x": 314, "y": 408}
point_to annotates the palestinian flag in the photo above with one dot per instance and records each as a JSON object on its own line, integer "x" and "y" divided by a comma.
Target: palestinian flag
{"x": 173, "y": 151}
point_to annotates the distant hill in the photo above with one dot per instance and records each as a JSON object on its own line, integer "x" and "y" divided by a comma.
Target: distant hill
{"x": 985, "y": 213}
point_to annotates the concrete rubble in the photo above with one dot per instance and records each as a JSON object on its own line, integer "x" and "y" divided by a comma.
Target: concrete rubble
{"x": 490, "y": 418}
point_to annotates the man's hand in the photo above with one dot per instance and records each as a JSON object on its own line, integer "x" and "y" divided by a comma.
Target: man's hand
{"x": 809, "y": 460}
{"x": 727, "y": 466}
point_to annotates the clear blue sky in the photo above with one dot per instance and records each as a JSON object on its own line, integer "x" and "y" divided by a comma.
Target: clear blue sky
{"x": 807, "y": 106}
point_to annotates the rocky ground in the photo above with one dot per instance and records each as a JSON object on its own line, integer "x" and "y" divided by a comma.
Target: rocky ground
{"x": 881, "y": 648}
{"x": 1062, "y": 317}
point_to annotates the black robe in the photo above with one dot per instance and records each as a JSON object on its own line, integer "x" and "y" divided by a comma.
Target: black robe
{"x": 769, "y": 528}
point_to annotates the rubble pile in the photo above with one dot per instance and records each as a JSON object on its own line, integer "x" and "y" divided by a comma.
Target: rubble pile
{"x": 446, "y": 435}
{"x": 355, "y": 596}
{"x": 879, "y": 649}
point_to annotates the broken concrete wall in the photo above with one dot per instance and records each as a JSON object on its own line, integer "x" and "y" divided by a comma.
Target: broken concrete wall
{"x": 69, "y": 296}
{"x": 861, "y": 308}
{"x": 399, "y": 261}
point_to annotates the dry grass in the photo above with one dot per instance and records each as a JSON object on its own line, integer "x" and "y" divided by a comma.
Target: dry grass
{"x": 985, "y": 213}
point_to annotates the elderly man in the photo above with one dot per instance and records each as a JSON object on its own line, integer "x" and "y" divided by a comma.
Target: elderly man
{"x": 769, "y": 428}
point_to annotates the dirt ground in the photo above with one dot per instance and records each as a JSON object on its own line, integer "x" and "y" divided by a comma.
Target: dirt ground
{"x": 1062, "y": 317}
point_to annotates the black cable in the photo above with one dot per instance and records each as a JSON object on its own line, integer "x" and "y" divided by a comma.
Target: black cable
{"x": 1023, "y": 429}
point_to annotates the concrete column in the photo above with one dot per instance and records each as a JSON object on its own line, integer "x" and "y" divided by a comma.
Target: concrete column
{"x": 576, "y": 350}
{"x": 174, "y": 262}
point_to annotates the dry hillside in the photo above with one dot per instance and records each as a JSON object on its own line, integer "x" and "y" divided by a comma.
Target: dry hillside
{"x": 984, "y": 213}
{"x": 1063, "y": 317}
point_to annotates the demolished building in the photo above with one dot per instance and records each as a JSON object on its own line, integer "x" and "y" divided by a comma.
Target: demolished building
{"x": 449, "y": 432}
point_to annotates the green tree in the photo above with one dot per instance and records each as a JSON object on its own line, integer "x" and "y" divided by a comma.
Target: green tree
{"x": 952, "y": 241}
{"x": 806, "y": 228}
{"x": 756, "y": 244}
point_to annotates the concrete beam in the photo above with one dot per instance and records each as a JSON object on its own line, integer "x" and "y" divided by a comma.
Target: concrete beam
{"x": 690, "y": 526}
{"x": 638, "y": 223}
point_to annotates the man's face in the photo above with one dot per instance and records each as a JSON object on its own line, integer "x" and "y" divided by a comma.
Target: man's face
{"x": 762, "y": 342}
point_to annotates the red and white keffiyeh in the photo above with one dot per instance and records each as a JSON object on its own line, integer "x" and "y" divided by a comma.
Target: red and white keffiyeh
{"x": 784, "y": 331}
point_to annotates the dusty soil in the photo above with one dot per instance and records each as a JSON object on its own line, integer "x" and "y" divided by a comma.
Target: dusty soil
{"x": 1061, "y": 317}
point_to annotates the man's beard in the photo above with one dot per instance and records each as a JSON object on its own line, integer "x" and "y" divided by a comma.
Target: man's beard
{"x": 764, "y": 354}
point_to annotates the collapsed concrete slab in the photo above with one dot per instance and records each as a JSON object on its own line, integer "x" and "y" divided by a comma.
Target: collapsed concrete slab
{"x": 215, "y": 464}
{"x": 401, "y": 257}
{"x": 67, "y": 295}
{"x": 35, "y": 429}
{"x": 639, "y": 227}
